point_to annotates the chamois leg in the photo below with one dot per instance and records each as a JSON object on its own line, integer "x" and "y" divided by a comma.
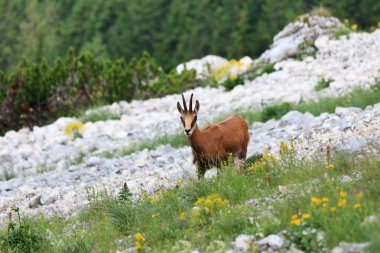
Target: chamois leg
{"x": 201, "y": 169}
{"x": 243, "y": 154}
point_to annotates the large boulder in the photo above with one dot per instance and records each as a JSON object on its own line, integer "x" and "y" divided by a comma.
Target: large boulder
{"x": 299, "y": 37}
{"x": 202, "y": 66}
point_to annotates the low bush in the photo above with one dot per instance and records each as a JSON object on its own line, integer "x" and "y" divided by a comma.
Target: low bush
{"x": 20, "y": 235}
{"x": 36, "y": 94}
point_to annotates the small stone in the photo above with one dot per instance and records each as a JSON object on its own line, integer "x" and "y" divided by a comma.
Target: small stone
{"x": 283, "y": 189}
{"x": 371, "y": 219}
{"x": 345, "y": 247}
{"x": 35, "y": 202}
{"x": 252, "y": 202}
{"x": 93, "y": 161}
{"x": 293, "y": 249}
{"x": 244, "y": 243}
{"x": 48, "y": 198}
{"x": 143, "y": 158}
{"x": 275, "y": 242}
{"x": 129, "y": 250}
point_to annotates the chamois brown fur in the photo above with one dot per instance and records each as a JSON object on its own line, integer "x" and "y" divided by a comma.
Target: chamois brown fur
{"x": 216, "y": 142}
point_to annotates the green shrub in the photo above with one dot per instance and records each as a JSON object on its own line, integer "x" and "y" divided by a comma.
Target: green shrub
{"x": 343, "y": 31}
{"x": 36, "y": 94}
{"x": 232, "y": 81}
{"x": 260, "y": 70}
{"x": 20, "y": 236}
{"x": 323, "y": 84}
{"x": 252, "y": 160}
{"x": 7, "y": 175}
{"x": 275, "y": 111}
{"x": 124, "y": 194}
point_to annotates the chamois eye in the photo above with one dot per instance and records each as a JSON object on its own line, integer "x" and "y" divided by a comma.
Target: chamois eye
{"x": 183, "y": 122}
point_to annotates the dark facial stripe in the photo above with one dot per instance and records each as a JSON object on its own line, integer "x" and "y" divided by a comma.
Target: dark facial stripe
{"x": 183, "y": 122}
{"x": 194, "y": 121}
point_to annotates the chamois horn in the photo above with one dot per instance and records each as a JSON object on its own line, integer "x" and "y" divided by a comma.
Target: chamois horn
{"x": 184, "y": 103}
{"x": 191, "y": 103}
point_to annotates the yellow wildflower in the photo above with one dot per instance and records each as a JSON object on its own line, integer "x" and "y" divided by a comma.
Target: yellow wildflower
{"x": 346, "y": 21}
{"x": 294, "y": 217}
{"x": 330, "y": 166}
{"x": 285, "y": 150}
{"x": 306, "y": 216}
{"x": 325, "y": 205}
{"x": 138, "y": 246}
{"x": 333, "y": 209}
{"x": 359, "y": 195}
{"x": 182, "y": 216}
{"x": 179, "y": 182}
{"x": 73, "y": 128}
{"x": 155, "y": 215}
{"x": 295, "y": 222}
{"x": 324, "y": 199}
{"x": 342, "y": 202}
{"x": 233, "y": 77}
{"x": 354, "y": 27}
{"x": 269, "y": 158}
{"x": 357, "y": 205}
{"x": 343, "y": 194}
{"x": 257, "y": 166}
{"x": 316, "y": 200}
{"x": 139, "y": 237}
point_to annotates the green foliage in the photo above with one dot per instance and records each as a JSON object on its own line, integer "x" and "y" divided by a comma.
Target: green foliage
{"x": 81, "y": 81}
{"x": 343, "y": 31}
{"x": 252, "y": 160}
{"x": 231, "y": 82}
{"x": 124, "y": 194}
{"x": 305, "y": 237}
{"x": 201, "y": 213}
{"x": 7, "y": 175}
{"x": 120, "y": 29}
{"x": 20, "y": 236}
{"x": 323, "y": 84}
{"x": 260, "y": 70}
{"x": 176, "y": 141}
{"x": 275, "y": 111}
{"x": 98, "y": 115}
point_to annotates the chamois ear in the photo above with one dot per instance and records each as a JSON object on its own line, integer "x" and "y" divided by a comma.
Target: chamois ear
{"x": 179, "y": 108}
{"x": 196, "y": 109}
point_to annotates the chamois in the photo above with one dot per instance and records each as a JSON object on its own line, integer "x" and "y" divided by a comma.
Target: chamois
{"x": 216, "y": 142}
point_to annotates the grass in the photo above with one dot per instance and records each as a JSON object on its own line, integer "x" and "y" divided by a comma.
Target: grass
{"x": 204, "y": 214}
{"x": 7, "y": 175}
{"x": 98, "y": 115}
{"x": 323, "y": 84}
{"x": 343, "y": 31}
{"x": 176, "y": 141}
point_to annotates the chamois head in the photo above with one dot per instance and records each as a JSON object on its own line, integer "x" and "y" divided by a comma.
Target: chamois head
{"x": 188, "y": 117}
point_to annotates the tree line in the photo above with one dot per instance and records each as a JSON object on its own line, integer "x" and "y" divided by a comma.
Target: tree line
{"x": 169, "y": 30}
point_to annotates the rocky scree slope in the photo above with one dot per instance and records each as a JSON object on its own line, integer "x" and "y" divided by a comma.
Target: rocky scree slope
{"x": 42, "y": 159}
{"x": 351, "y": 62}
{"x": 63, "y": 192}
